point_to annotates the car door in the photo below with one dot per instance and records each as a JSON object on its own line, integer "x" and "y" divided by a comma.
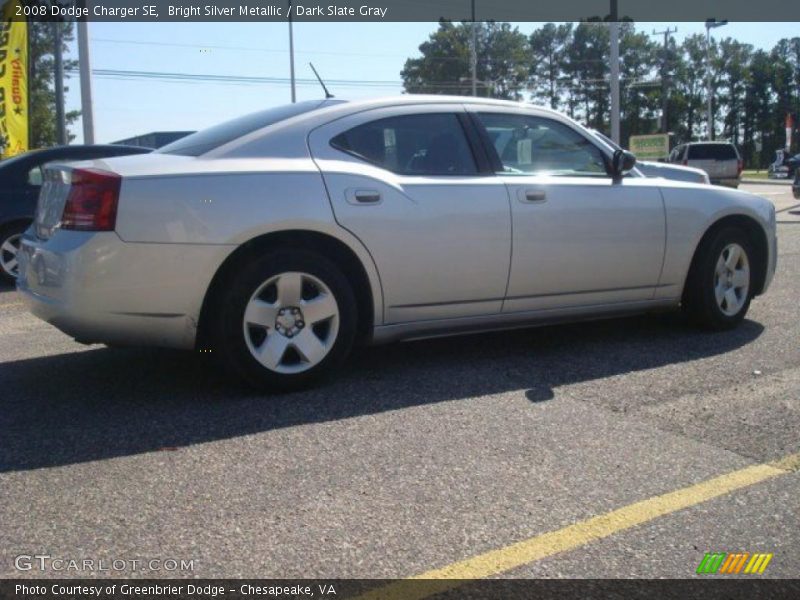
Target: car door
{"x": 411, "y": 183}
{"x": 580, "y": 237}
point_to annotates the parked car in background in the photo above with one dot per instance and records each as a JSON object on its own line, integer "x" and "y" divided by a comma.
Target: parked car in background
{"x": 783, "y": 166}
{"x": 279, "y": 239}
{"x": 721, "y": 160}
{"x": 650, "y": 168}
{"x": 20, "y": 182}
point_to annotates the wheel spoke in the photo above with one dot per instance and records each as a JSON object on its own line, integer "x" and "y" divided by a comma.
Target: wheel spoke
{"x": 309, "y": 346}
{"x": 262, "y": 313}
{"x": 10, "y": 247}
{"x": 733, "y": 257}
{"x": 272, "y": 350}
{"x": 290, "y": 289}
{"x": 721, "y": 268}
{"x": 319, "y": 309}
{"x": 719, "y": 293}
{"x": 741, "y": 278}
{"x": 731, "y": 300}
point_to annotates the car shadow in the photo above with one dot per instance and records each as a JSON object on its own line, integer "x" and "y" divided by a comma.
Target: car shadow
{"x": 103, "y": 403}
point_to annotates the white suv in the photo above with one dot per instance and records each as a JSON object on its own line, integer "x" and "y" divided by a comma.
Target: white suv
{"x": 721, "y": 160}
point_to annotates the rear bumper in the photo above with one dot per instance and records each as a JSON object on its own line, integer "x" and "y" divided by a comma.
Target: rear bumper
{"x": 726, "y": 181}
{"x": 97, "y": 288}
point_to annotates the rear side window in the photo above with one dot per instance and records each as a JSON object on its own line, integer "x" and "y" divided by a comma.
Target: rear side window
{"x": 35, "y": 177}
{"x": 218, "y": 135}
{"x": 425, "y": 144}
{"x": 713, "y": 152}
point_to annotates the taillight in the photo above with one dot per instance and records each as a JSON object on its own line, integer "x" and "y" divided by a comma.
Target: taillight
{"x": 739, "y": 167}
{"x": 685, "y": 163}
{"x": 92, "y": 201}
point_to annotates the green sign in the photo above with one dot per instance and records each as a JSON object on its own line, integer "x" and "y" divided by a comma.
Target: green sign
{"x": 650, "y": 147}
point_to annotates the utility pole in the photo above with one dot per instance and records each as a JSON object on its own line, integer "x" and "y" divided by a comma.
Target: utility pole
{"x": 473, "y": 53}
{"x": 664, "y": 83}
{"x": 614, "y": 31}
{"x": 87, "y": 108}
{"x": 291, "y": 55}
{"x": 58, "y": 64}
{"x": 710, "y": 24}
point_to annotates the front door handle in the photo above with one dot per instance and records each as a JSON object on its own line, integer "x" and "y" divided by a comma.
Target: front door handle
{"x": 532, "y": 196}
{"x": 366, "y": 196}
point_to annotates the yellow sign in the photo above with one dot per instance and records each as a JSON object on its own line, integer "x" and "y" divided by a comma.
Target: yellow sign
{"x": 13, "y": 83}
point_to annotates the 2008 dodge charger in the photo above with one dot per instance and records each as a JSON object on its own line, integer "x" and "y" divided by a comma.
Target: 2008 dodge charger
{"x": 281, "y": 238}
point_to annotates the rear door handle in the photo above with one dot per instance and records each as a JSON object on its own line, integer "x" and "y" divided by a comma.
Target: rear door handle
{"x": 532, "y": 196}
{"x": 363, "y": 196}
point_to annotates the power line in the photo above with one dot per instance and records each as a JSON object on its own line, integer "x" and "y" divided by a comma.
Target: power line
{"x": 260, "y": 49}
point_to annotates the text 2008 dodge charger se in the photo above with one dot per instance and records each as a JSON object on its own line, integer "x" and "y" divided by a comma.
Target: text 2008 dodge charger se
{"x": 281, "y": 238}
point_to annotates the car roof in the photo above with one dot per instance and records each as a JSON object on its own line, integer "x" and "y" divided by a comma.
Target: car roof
{"x": 411, "y": 99}
{"x": 331, "y": 110}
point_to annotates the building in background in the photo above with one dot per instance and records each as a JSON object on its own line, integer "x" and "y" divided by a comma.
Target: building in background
{"x": 156, "y": 139}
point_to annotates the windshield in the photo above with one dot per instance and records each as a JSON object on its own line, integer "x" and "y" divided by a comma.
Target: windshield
{"x": 218, "y": 135}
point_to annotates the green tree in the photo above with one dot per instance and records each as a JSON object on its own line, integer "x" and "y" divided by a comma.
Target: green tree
{"x": 735, "y": 60}
{"x": 548, "y": 46}
{"x": 444, "y": 67}
{"x": 757, "y": 119}
{"x": 640, "y": 61}
{"x": 42, "y": 82}
{"x": 689, "y": 84}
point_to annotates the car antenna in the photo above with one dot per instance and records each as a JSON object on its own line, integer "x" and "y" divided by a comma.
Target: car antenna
{"x": 322, "y": 83}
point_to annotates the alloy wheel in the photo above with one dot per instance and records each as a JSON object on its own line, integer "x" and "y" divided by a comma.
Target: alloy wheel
{"x": 8, "y": 254}
{"x": 291, "y": 322}
{"x": 732, "y": 279}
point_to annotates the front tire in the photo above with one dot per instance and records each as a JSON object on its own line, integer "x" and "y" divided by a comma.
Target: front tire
{"x": 285, "y": 321}
{"x": 719, "y": 286}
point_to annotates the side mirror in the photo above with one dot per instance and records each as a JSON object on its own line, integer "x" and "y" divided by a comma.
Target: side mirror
{"x": 622, "y": 162}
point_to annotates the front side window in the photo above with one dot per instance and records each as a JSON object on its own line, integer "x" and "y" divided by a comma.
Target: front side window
{"x": 527, "y": 144}
{"x": 424, "y": 144}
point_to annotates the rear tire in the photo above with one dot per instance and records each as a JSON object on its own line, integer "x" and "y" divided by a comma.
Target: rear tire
{"x": 719, "y": 286}
{"x": 285, "y": 320}
{"x": 10, "y": 238}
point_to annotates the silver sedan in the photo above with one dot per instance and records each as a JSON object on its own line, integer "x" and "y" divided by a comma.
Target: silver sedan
{"x": 278, "y": 240}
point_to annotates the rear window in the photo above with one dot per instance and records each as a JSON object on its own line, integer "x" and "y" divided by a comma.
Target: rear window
{"x": 218, "y": 135}
{"x": 713, "y": 152}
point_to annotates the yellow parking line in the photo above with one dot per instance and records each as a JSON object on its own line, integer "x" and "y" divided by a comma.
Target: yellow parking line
{"x": 578, "y": 534}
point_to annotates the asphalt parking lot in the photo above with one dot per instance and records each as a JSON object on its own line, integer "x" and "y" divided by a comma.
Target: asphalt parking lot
{"x": 421, "y": 455}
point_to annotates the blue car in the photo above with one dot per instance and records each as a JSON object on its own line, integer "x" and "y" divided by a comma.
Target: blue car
{"x": 20, "y": 181}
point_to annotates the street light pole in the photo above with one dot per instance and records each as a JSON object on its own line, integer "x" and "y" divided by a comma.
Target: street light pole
{"x": 291, "y": 55}
{"x": 473, "y": 53}
{"x": 87, "y": 109}
{"x": 664, "y": 83}
{"x": 710, "y": 24}
{"x": 615, "y": 105}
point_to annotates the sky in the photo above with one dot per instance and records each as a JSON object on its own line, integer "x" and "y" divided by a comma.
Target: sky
{"x": 372, "y": 52}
